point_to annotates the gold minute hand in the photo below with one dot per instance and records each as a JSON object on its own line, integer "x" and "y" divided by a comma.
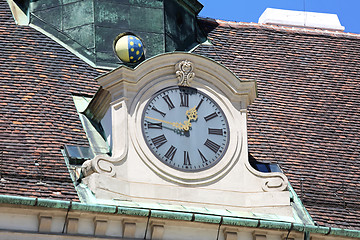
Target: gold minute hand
{"x": 180, "y": 126}
{"x": 191, "y": 114}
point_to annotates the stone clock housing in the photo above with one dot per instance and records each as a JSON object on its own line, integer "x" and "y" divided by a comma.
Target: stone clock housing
{"x": 177, "y": 128}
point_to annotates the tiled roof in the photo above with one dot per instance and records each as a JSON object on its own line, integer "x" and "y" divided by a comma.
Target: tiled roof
{"x": 37, "y": 114}
{"x": 306, "y": 115}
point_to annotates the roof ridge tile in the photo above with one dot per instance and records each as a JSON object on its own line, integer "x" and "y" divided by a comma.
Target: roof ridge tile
{"x": 233, "y": 24}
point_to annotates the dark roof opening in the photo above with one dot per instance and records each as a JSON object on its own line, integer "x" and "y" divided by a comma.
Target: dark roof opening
{"x": 77, "y": 155}
{"x": 263, "y": 166}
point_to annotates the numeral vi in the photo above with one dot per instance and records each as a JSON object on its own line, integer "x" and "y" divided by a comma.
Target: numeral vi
{"x": 186, "y": 158}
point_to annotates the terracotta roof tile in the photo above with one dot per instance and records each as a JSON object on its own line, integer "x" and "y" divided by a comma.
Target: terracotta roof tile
{"x": 37, "y": 114}
{"x": 306, "y": 115}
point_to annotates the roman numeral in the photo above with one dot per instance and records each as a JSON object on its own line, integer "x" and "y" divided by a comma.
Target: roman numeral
{"x": 212, "y": 146}
{"x": 215, "y": 131}
{"x": 204, "y": 160}
{"x": 186, "y": 158}
{"x": 168, "y": 101}
{"x": 184, "y": 97}
{"x": 211, "y": 116}
{"x": 159, "y": 140}
{"x": 171, "y": 152}
{"x": 155, "y": 125}
{"x": 157, "y": 110}
{"x": 197, "y": 107}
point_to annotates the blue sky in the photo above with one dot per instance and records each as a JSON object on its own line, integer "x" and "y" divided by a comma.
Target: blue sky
{"x": 348, "y": 11}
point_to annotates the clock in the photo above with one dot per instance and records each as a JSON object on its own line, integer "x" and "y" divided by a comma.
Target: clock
{"x": 185, "y": 129}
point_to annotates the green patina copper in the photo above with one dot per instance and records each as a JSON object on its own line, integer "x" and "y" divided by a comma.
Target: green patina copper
{"x": 88, "y": 27}
{"x": 5, "y": 199}
{"x": 93, "y": 207}
{"x": 240, "y": 222}
{"x": 51, "y": 203}
{"x": 130, "y": 211}
{"x": 171, "y": 215}
{"x": 94, "y": 133}
{"x": 207, "y": 218}
{"x": 276, "y": 225}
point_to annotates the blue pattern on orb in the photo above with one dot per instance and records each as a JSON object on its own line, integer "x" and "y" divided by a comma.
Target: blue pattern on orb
{"x": 135, "y": 49}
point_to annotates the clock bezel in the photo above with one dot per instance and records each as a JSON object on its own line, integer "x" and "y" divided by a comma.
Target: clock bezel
{"x": 213, "y": 101}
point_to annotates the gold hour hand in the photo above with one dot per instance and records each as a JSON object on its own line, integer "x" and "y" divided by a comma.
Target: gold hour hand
{"x": 191, "y": 114}
{"x": 179, "y": 126}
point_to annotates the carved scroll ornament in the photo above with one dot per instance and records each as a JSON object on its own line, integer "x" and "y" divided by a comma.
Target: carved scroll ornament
{"x": 105, "y": 164}
{"x": 275, "y": 183}
{"x": 185, "y": 73}
{"x": 101, "y": 164}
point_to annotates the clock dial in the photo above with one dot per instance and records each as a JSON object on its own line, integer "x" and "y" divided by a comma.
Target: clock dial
{"x": 185, "y": 129}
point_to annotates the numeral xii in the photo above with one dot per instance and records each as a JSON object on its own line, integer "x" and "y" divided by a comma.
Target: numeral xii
{"x": 184, "y": 100}
{"x": 186, "y": 158}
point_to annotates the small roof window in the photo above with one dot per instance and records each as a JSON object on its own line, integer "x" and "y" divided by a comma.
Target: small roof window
{"x": 78, "y": 154}
{"x": 264, "y": 167}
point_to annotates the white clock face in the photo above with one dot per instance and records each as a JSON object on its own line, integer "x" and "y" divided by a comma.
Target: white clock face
{"x": 185, "y": 129}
